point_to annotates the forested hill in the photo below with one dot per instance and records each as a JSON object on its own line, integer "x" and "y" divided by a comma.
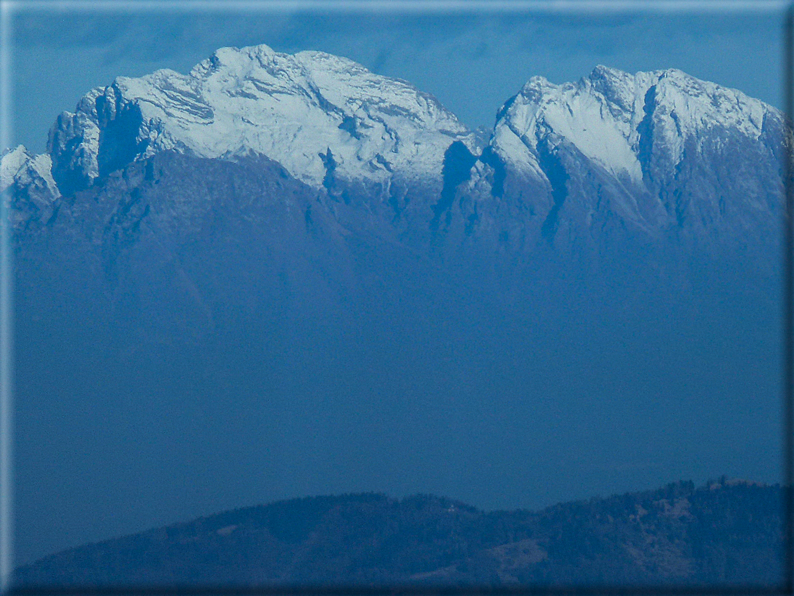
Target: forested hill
{"x": 728, "y": 532}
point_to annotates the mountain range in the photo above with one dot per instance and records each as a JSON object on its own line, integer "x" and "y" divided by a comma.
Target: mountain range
{"x": 662, "y": 173}
{"x": 656, "y": 153}
{"x": 292, "y": 265}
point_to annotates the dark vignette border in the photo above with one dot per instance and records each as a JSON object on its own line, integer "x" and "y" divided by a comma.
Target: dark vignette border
{"x": 785, "y": 588}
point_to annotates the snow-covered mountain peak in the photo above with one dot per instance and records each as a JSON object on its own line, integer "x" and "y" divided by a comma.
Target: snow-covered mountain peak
{"x": 535, "y": 84}
{"x": 694, "y": 104}
{"x": 579, "y": 114}
{"x": 11, "y": 161}
{"x": 605, "y": 115}
{"x": 33, "y": 191}
{"x": 21, "y": 167}
{"x": 312, "y": 112}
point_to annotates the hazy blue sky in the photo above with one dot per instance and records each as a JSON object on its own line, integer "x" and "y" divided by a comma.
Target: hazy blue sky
{"x": 471, "y": 62}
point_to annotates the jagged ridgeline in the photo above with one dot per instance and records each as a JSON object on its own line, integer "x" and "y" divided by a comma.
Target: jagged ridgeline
{"x": 727, "y": 532}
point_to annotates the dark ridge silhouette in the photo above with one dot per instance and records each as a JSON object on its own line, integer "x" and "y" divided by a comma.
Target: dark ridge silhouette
{"x": 726, "y": 532}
